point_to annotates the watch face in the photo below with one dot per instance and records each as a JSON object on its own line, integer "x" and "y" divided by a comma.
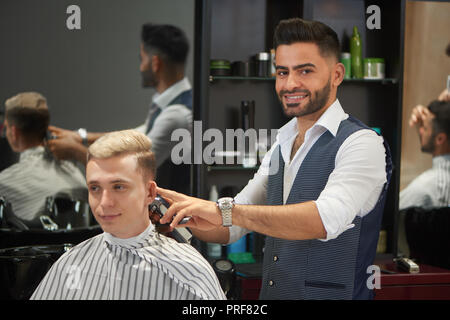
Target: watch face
{"x": 226, "y": 203}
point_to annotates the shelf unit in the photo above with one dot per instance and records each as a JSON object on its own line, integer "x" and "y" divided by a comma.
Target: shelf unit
{"x": 222, "y": 28}
{"x": 386, "y": 81}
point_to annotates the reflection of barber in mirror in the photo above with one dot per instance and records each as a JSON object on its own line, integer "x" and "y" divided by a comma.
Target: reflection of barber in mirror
{"x": 130, "y": 260}
{"x": 163, "y": 54}
{"x": 38, "y": 174}
{"x": 432, "y": 187}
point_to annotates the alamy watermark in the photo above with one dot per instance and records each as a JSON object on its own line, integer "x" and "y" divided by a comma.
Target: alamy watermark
{"x": 73, "y": 21}
{"x": 373, "y": 281}
{"x": 236, "y": 146}
{"x": 374, "y": 20}
{"x": 73, "y": 281}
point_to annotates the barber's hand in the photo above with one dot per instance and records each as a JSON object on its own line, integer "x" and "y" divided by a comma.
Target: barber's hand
{"x": 61, "y": 133}
{"x": 444, "y": 96}
{"x": 155, "y": 219}
{"x": 205, "y": 214}
{"x": 66, "y": 144}
{"x": 418, "y": 115}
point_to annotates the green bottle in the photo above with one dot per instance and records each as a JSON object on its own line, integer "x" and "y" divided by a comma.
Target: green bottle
{"x": 356, "y": 55}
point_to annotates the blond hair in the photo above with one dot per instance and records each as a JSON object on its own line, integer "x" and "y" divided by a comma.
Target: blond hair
{"x": 126, "y": 142}
{"x": 28, "y": 111}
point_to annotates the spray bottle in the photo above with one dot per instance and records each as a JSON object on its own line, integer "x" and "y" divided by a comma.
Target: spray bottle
{"x": 356, "y": 55}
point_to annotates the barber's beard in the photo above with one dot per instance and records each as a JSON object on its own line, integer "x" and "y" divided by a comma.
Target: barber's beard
{"x": 429, "y": 146}
{"x": 316, "y": 101}
{"x": 148, "y": 79}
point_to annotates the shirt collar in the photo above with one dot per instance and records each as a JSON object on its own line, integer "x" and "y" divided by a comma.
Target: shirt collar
{"x": 163, "y": 99}
{"x": 332, "y": 118}
{"x": 35, "y": 151}
{"x": 442, "y": 159}
{"x": 329, "y": 120}
{"x": 133, "y": 242}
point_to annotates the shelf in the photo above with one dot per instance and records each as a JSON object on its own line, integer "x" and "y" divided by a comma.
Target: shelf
{"x": 231, "y": 168}
{"x": 236, "y": 78}
{"x": 239, "y": 78}
{"x": 382, "y": 81}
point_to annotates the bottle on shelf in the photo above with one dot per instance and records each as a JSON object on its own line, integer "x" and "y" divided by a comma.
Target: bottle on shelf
{"x": 248, "y": 122}
{"x": 356, "y": 55}
{"x": 346, "y": 61}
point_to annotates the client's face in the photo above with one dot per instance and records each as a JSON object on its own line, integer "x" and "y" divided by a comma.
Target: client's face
{"x": 118, "y": 195}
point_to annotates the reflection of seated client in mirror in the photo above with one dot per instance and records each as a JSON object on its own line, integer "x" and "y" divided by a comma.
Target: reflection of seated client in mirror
{"x": 37, "y": 175}
{"x": 431, "y": 188}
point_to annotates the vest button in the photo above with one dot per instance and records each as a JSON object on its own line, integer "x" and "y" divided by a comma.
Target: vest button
{"x": 270, "y": 283}
{"x": 275, "y": 258}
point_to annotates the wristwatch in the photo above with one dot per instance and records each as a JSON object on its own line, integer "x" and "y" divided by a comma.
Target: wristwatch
{"x": 83, "y": 134}
{"x": 225, "y": 206}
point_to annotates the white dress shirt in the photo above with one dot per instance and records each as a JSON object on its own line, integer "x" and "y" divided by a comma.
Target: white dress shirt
{"x": 171, "y": 118}
{"x": 354, "y": 186}
{"x": 149, "y": 266}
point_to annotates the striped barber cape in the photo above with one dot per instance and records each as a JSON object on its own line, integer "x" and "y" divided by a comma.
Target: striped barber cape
{"x": 147, "y": 267}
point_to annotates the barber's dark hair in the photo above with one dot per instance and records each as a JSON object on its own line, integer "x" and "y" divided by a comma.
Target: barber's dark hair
{"x": 441, "y": 121}
{"x": 294, "y": 30}
{"x": 167, "y": 40}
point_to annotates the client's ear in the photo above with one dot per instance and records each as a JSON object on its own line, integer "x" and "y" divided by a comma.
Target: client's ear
{"x": 151, "y": 189}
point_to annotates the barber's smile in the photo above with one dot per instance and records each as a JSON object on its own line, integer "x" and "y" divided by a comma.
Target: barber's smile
{"x": 294, "y": 99}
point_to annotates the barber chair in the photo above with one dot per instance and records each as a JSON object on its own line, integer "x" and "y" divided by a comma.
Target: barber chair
{"x": 23, "y": 268}
{"x": 64, "y": 220}
{"x": 428, "y": 235}
{"x": 29, "y": 248}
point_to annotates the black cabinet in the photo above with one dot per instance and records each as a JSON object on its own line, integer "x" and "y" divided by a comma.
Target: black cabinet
{"x": 237, "y": 30}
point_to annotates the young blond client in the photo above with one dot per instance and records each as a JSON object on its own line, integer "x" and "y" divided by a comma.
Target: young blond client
{"x": 130, "y": 260}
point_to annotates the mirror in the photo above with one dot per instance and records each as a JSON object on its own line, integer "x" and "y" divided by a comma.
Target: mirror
{"x": 426, "y": 67}
{"x": 83, "y": 56}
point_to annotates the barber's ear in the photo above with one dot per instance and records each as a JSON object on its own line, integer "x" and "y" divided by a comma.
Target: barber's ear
{"x": 156, "y": 63}
{"x": 338, "y": 74}
{"x": 441, "y": 138}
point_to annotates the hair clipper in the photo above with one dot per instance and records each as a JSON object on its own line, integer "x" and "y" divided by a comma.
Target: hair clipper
{"x": 159, "y": 206}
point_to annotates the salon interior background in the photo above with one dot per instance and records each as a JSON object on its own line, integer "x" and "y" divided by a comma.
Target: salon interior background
{"x": 91, "y": 76}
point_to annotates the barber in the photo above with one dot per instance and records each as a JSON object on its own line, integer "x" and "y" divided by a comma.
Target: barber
{"x": 320, "y": 191}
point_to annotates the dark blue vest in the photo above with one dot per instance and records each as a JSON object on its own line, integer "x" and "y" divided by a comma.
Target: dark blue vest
{"x": 169, "y": 175}
{"x": 314, "y": 269}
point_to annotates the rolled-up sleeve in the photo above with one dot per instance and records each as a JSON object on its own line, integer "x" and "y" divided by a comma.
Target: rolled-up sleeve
{"x": 255, "y": 192}
{"x": 355, "y": 184}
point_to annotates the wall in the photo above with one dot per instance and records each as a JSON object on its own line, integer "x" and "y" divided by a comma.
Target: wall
{"x": 426, "y": 67}
{"x": 90, "y": 76}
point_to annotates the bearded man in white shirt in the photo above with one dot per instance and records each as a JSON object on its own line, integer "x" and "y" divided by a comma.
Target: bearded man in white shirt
{"x": 319, "y": 194}
{"x": 130, "y": 260}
